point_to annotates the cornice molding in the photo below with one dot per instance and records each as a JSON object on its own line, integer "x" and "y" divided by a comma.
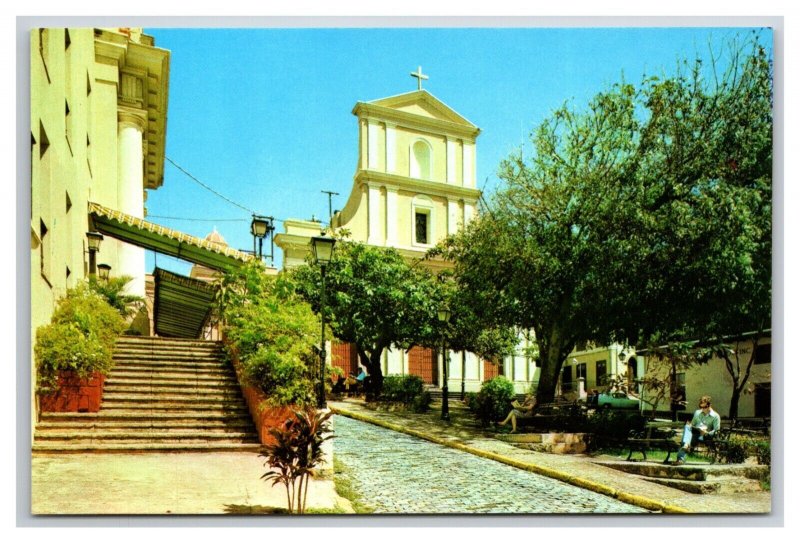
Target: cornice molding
{"x": 371, "y": 177}
{"x": 373, "y": 112}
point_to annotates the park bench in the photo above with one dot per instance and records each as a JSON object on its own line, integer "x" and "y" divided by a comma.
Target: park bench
{"x": 657, "y": 434}
{"x": 665, "y": 435}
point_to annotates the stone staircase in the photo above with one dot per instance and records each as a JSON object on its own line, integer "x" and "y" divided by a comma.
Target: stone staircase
{"x": 698, "y": 478}
{"x": 163, "y": 395}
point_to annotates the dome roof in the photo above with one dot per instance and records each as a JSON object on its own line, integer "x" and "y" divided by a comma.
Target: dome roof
{"x": 216, "y": 237}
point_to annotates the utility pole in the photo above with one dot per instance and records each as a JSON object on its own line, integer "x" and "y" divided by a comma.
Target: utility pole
{"x": 330, "y": 194}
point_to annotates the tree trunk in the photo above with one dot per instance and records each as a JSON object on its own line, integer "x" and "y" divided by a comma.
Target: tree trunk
{"x": 373, "y": 364}
{"x": 551, "y": 362}
{"x": 733, "y": 411}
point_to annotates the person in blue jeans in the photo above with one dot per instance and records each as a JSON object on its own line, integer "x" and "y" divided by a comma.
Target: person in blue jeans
{"x": 703, "y": 427}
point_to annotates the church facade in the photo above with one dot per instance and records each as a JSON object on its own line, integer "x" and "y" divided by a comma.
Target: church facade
{"x": 414, "y": 184}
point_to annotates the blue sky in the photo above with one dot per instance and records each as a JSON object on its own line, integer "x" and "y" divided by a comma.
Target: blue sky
{"x": 264, "y": 115}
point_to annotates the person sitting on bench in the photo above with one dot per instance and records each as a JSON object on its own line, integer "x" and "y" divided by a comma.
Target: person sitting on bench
{"x": 519, "y": 410}
{"x": 703, "y": 427}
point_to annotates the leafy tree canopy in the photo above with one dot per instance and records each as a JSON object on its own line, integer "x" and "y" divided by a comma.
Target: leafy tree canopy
{"x": 644, "y": 218}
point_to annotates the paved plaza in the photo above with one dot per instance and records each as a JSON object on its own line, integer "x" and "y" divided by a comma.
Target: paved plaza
{"x": 397, "y": 473}
{"x": 161, "y": 484}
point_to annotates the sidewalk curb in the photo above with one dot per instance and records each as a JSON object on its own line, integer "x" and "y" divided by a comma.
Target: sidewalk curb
{"x": 632, "y": 499}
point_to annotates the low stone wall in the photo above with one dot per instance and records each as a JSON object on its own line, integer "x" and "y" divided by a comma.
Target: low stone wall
{"x": 74, "y": 394}
{"x": 551, "y": 442}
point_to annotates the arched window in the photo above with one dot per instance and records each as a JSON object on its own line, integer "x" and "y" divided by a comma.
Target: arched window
{"x": 420, "y": 160}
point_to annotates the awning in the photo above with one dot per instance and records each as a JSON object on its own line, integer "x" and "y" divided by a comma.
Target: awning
{"x": 164, "y": 240}
{"x": 182, "y": 304}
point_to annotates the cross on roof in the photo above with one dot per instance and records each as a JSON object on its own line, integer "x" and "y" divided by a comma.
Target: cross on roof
{"x": 418, "y": 74}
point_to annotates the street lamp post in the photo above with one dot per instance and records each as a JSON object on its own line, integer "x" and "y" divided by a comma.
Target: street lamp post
{"x": 94, "y": 239}
{"x": 463, "y": 371}
{"x": 444, "y": 318}
{"x": 323, "y": 251}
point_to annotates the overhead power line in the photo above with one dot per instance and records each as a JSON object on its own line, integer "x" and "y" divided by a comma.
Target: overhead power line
{"x": 197, "y": 220}
{"x": 196, "y": 180}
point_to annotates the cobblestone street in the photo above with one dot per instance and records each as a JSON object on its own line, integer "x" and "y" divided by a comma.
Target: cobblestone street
{"x": 398, "y": 473}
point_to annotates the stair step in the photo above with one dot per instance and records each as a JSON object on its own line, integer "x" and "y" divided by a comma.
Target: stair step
{"x": 123, "y": 415}
{"x": 44, "y": 448}
{"x": 187, "y": 387}
{"x": 719, "y": 485}
{"x": 161, "y": 365}
{"x": 162, "y": 396}
{"x": 171, "y": 397}
{"x": 171, "y": 375}
{"x": 217, "y": 407}
{"x": 199, "y": 425}
{"x": 168, "y": 358}
{"x": 155, "y": 436}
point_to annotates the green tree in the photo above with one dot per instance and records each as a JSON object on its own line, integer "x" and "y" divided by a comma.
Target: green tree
{"x": 642, "y": 219}
{"x": 375, "y": 300}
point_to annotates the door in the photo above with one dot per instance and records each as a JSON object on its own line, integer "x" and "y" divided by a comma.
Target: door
{"x": 422, "y": 362}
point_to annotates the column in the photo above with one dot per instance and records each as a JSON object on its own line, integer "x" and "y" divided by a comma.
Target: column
{"x": 391, "y": 216}
{"x": 372, "y": 139}
{"x": 373, "y": 214}
{"x": 451, "y": 160}
{"x": 452, "y": 216}
{"x": 130, "y": 190}
{"x": 467, "y": 169}
{"x": 391, "y": 148}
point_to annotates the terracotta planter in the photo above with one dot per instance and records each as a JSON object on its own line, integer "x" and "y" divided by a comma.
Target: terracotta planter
{"x": 264, "y": 417}
{"x": 74, "y": 394}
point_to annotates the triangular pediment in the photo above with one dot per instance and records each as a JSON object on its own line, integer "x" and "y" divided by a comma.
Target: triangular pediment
{"x": 424, "y": 104}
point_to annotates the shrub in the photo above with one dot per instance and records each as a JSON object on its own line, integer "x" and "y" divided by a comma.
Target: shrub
{"x": 471, "y": 401}
{"x": 608, "y": 427}
{"x": 408, "y": 390}
{"x": 422, "y": 402}
{"x": 80, "y": 337}
{"x": 736, "y": 452}
{"x": 763, "y": 451}
{"x": 493, "y": 402}
{"x": 113, "y": 291}
{"x": 741, "y": 447}
{"x": 273, "y": 332}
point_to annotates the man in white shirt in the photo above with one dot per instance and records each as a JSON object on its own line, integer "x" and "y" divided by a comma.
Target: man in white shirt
{"x": 703, "y": 427}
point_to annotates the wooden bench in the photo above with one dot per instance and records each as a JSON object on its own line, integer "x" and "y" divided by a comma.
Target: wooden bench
{"x": 667, "y": 437}
{"x": 657, "y": 434}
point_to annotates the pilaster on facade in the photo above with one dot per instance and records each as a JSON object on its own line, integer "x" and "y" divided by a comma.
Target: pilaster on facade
{"x": 374, "y": 236}
{"x": 373, "y": 129}
{"x": 452, "y": 145}
{"x": 468, "y": 162}
{"x": 453, "y": 222}
{"x": 391, "y": 216}
{"x": 363, "y": 148}
{"x": 391, "y": 147}
{"x": 469, "y": 212}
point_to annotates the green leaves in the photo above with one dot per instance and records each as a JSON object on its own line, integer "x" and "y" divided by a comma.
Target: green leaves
{"x": 273, "y": 331}
{"x": 374, "y": 299}
{"x": 644, "y": 215}
{"x": 80, "y": 337}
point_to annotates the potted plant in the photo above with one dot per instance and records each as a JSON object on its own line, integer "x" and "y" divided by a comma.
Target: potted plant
{"x": 74, "y": 352}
